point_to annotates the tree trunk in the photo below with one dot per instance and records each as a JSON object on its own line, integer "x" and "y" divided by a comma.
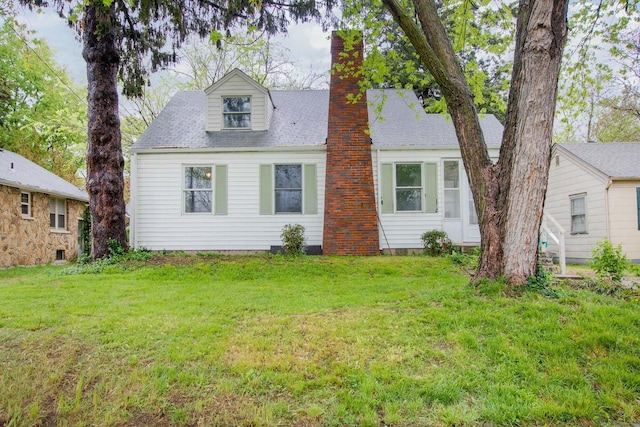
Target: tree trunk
{"x": 105, "y": 163}
{"x": 526, "y": 143}
{"x": 509, "y": 196}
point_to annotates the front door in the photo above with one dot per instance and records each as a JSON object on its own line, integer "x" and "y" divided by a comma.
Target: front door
{"x": 460, "y": 219}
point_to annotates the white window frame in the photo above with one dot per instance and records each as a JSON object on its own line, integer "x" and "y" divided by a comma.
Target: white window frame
{"x": 275, "y": 189}
{"x": 226, "y": 113}
{"x": 396, "y": 187}
{"x": 54, "y": 209}
{"x": 452, "y": 190}
{"x": 186, "y": 189}
{"x": 575, "y": 215}
{"x": 28, "y": 204}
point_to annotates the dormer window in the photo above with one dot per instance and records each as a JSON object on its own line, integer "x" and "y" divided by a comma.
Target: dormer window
{"x": 236, "y": 112}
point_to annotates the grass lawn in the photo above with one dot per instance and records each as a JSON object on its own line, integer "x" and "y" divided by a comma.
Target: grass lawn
{"x": 310, "y": 341}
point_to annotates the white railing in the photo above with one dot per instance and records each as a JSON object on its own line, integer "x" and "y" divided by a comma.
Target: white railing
{"x": 545, "y": 230}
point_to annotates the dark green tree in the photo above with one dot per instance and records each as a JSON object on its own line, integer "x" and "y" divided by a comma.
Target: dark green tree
{"x": 129, "y": 39}
{"x": 41, "y": 115}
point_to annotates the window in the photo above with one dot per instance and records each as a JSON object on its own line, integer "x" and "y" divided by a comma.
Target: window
{"x": 25, "y": 204}
{"x": 198, "y": 192}
{"x": 236, "y": 112}
{"x": 578, "y": 214}
{"x": 288, "y": 188}
{"x": 473, "y": 215}
{"x": 638, "y": 204}
{"x": 60, "y": 255}
{"x": 451, "y": 189}
{"x": 57, "y": 214}
{"x": 409, "y": 187}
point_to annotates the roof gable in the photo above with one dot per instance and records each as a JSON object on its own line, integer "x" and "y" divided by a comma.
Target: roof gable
{"x": 233, "y": 74}
{"x": 17, "y": 171}
{"x": 614, "y": 160}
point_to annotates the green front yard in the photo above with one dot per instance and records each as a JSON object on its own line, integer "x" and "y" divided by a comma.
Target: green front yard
{"x": 309, "y": 341}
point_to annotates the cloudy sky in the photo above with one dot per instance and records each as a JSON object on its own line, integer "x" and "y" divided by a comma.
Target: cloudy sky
{"x": 308, "y": 45}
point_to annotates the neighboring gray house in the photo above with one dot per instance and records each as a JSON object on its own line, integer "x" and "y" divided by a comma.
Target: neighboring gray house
{"x": 594, "y": 193}
{"x": 226, "y": 168}
{"x": 39, "y": 213}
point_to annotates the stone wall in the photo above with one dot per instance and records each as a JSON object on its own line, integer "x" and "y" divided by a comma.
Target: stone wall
{"x": 30, "y": 241}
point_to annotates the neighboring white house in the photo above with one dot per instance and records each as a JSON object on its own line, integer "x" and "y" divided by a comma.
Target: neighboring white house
{"x": 594, "y": 193}
{"x": 226, "y": 168}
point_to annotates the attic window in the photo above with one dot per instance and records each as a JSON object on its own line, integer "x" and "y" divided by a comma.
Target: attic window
{"x": 236, "y": 112}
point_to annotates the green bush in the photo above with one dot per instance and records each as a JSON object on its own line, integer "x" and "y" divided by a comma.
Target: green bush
{"x": 293, "y": 239}
{"x": 436, "y": 243}
{"x": 608, "y": 261}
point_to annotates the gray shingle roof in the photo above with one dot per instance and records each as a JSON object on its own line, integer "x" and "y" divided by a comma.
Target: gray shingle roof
{"x": 616, "y": 160}
{"x": 16, "y": 171}
{"x": 300, "y": 119}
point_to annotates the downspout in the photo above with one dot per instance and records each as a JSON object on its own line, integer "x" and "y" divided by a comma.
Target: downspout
{"x": 378, "y": 166}
{"x": 606, "y": 209}
{"x": 133, "y": 200}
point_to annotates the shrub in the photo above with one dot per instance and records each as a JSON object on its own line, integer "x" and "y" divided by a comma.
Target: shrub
{"x": 436, "y": 243}
{"x": 608, "y": 261}
{"x": 293, "y": 239}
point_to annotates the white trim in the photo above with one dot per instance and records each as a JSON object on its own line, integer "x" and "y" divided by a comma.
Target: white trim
{"x": 211, "y": 188}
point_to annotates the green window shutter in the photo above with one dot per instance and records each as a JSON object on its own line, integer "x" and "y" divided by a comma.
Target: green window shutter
{"x": 266, "y": 190}
{"x": 386, "y": 188}
{"x": 221, "y": 190}
{"x": 431, "y": 187}
{"x": 310, "y": 190}
{"x": 638, "y": 203}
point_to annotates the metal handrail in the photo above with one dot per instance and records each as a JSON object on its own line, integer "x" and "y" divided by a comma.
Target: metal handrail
{"x": 558, "y": 239}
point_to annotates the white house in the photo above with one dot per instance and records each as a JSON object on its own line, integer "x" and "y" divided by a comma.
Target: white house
{"x": 226, "y": 168}
{"x": 594, "y": 193}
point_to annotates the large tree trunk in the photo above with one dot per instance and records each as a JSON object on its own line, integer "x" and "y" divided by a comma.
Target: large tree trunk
{"x": 105, "y": 163}
{"x": 509, "y": 196}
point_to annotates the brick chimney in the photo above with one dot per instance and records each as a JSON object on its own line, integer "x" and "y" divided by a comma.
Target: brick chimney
{"x": 350, "y": 220}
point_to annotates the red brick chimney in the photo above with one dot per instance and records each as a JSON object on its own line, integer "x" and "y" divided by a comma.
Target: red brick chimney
{"x": 350, "y": 220}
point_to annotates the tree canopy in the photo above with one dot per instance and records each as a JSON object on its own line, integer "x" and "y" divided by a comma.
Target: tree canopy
{"x": 42, "y": 115}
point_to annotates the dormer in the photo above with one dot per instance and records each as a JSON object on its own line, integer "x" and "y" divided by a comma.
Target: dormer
{"x": 236, "y": 102}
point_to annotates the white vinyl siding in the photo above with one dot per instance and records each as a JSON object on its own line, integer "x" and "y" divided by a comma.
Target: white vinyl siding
{"x": 624, "y": 216}
{"x": 567, "y": 178}
{"x": 403, "y": 229}
{"x": 159, "y": 203}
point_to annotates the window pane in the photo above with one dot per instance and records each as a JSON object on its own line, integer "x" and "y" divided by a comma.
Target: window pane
{"x": 452, "y": 204}
{"x": 409, "y": 200}
{"x": 61, "y": 206}
{"x": 24, "y": 197}
{"x": 197, "y": 201}
{"x": 197, "y": 177}
{"x": 236, "y": 105}
{"x": 52, "y": 220}
{"x": 25, "y": 209}
{"x": 288, "y": 176}
{"x": 577, "y": 206}
{"x": 237, "y": 121}
{"x": 473, "y": 216}
{"x": 408, "y": 175}
{"x": 289, "y": 201}
{"x": 451, "y": 174}
{"x": 61, "y": 222}
{"x": 578, "y": 224}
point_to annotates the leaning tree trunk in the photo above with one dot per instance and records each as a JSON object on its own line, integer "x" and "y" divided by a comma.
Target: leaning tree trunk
{"x": 526, "y": 143}
{"x": 105, "y": 163}
{"x": 509, "y": 196}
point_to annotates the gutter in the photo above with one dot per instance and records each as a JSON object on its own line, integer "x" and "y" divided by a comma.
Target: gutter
{"x": 34, "y": 189}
